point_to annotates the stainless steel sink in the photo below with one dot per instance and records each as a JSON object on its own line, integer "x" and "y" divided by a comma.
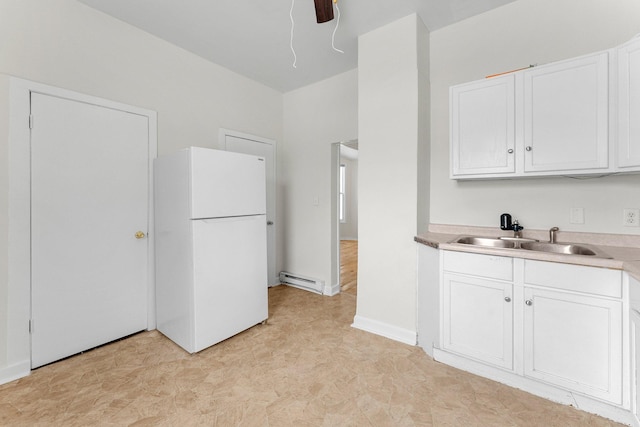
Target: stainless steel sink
{"x": 564, "y": 248}
{"x": 485, "y": 241}
{"x": 529, "y": 245}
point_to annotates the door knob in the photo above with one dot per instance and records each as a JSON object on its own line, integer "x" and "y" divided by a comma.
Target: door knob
{"x": 507, "y": 299}
{"x": 269, "y": 222}
{"x": 528, "y": 302}
{"x": 139, "y": 235}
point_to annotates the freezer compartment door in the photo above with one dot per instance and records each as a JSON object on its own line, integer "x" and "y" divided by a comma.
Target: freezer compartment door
{"x": 226, "y": 184}
{"x": 230, "y": 277}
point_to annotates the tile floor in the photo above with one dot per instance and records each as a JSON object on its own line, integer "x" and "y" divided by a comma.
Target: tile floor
{"x": 306, "y": 367}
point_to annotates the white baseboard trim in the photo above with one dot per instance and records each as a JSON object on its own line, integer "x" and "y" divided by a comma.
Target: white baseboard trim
{"x": 538, "y": 388}
{"x": 395, "y": 333}
{"x": 14, "y": 372}
{"x": 331, "y": 290}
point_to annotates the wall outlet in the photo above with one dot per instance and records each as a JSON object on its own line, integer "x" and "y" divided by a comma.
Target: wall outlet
{"x": 631, "y": 217}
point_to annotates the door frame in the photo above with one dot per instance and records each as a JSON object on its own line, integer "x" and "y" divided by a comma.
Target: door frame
{"x": 19, "y": 244}
{"x": 222, "y": 134}
{"x": 336, "y": 279}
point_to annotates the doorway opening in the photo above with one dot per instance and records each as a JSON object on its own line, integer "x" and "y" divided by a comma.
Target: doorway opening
{"x": 346, "y": 218}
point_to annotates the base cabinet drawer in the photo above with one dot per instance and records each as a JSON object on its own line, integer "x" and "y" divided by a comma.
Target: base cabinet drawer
{"x": 489, "y": 266}
{"x": 577, "y": 278}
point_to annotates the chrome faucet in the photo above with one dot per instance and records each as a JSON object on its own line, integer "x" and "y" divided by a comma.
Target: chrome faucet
{"x": 552, "y": 234}
{"x": 506, "y": 224}
{"x": 517, "y": 229}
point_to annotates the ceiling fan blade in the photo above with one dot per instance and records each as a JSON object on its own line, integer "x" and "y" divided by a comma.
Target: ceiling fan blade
{"x": 324, "y": 10}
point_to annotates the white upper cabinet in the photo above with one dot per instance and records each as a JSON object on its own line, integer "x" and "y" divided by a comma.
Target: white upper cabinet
{"x": 629, "y": 105}
{"x": 566, "y": 115}
{"x": 575, "y": 117}
{"x": 482, "y": 127}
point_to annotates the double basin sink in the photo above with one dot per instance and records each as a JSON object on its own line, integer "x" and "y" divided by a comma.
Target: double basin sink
{"x": 531, "y": 245}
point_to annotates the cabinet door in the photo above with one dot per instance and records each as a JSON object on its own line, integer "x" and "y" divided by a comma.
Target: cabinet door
{"x": 635, "y": 363}
{"x": 478, "y": 319}
{"x": 566, "y": 115}
{"x": 634, "y": 345}
{"x": 574, "y": 341}
{"x": 629, "y": 104}
{"x": 482, "y": 127}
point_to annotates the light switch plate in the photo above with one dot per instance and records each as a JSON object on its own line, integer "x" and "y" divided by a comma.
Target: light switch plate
{"x": 577, "y": 216}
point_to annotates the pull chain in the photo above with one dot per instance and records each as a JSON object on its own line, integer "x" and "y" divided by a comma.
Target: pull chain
{"x": 295, "y": 58}
{"x": 333, "y": 36}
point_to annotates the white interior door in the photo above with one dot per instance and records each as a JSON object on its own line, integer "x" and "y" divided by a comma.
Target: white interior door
{"x": 245, "y": 144}
{"x": 89, "y": 198}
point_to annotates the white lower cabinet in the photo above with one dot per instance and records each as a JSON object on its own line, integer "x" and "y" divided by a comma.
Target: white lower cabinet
{"x": 634, "y": 322}
{"x": 573, "y": 328}
{"x": 574, "y": 341}
{"x": 546, "y": 326}
{"x": 476, "y": 307}
{"x": 635, "y": 364}
{"x": 467, "y": 300}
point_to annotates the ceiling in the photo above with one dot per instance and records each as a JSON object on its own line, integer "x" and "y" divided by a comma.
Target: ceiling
{"x": 252, "y": 37}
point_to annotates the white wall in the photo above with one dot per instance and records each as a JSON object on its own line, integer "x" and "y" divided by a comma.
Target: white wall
{"x": 66, "y": 44}
{"x": 514, "y": 36}
{"x": 314, "y": 117}
{"x": 4, "y": 214}
{"x": 349, "y": 228}
{"x": 424, "y": 128}
{"x": 389, "y": 144}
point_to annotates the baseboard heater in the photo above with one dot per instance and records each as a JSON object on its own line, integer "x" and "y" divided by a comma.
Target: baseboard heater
{"x": 302, "y": 282}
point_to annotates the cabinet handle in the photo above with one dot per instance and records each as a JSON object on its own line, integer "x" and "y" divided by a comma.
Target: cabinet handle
{"x": 510, "y": 151}
{"x": 528, "y": 148}
{"x": 528, "y": 302}
{"x": 507, "y": 299}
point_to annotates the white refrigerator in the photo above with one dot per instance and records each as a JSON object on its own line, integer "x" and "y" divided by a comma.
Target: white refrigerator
{"x": 211, "y": 245}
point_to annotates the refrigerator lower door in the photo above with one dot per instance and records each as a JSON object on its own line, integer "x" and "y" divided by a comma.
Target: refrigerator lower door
{"x": 230, "y": 277}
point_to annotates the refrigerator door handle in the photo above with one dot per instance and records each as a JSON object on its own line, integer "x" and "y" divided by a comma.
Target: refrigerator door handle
{"x": 229, "y": 219}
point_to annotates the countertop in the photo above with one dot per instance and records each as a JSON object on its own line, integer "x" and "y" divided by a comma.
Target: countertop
{"x": 624, "y": 249}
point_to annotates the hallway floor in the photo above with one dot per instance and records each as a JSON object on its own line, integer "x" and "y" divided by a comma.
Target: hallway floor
{"x": 349, "y": 266}
{"x": 305, "y": 367}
